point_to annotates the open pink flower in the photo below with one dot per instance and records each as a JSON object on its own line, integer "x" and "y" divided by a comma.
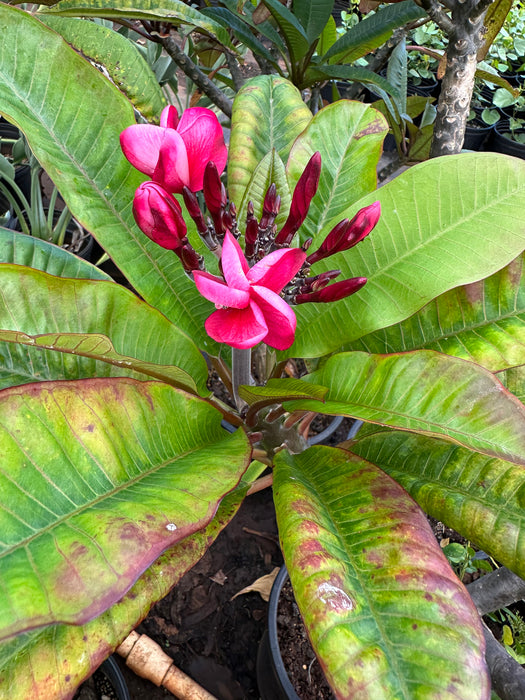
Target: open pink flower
{"x": 250, "y": 309}
{"x": 175, "y": 153}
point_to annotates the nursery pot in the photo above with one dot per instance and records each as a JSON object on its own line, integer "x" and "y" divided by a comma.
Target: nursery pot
{"x": 77, "y": 240}
{"x": 501, "y": 141}
{"x": 477, "y": 134}
{"x": 272, "y": 677}
{"x": 108, "y": 674}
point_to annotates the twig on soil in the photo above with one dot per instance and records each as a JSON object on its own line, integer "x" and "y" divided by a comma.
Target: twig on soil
{"x": 146, "y": 659}
{"x": 260, "y": 484}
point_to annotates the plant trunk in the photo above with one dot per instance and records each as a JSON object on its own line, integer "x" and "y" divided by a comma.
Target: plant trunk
{"x": 465, "y": 36}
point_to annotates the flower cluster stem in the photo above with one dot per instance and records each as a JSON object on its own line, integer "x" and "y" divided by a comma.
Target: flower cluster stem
{"x": 241, "y": 372}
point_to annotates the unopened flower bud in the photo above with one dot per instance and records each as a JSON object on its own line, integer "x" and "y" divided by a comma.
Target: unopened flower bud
{"x": 159, "y": 215}
{"x": 334, "y": 292}
{"x": 192, "y": 205}
{"x": 303, "y": 194}
{"x": 214, "y": 190}
{"x": 189, "y": 257}
{"x": 271, "y": 206}
{"x": 252, "y": 229}
{"x": 346, "y": 234}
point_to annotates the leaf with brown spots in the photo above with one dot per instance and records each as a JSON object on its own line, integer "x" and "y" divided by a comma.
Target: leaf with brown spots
{"x": 423, "y": 392}
{"x": 385, "y": 614}
{"x": 483, "y": 321}
{"x": 99, "y": 477}
{"x": 481, "y": 497}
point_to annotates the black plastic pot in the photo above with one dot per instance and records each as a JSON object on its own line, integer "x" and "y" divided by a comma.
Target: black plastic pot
{"x": 77, "y": 240}
{"x": 111, "y": 670}
{"x": 10, "y": 133}
{"x": 272, "y": 678}
{"x": 477, "y": 134}
{"x": 501, "y": 142}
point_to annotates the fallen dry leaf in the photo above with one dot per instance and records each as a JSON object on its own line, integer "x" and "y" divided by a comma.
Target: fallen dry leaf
{"x": 262, "y": 586}
{"x": 220, "y": 577}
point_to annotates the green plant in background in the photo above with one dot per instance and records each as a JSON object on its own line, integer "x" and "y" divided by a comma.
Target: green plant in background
{"x": 117, "y": 474}
{"x": 465, "y": 560}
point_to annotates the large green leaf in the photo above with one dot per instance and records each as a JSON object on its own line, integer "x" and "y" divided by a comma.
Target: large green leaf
{"x": 483, "y": 321}
{"x": 373, "y": 31}
{"x": 74, "y": 132}
{"x": 41, "y": 255}
{"x": 172, "y": 10}
{"x": 349, "y": 136}
{"x": 446, "y": 222}
{"x": 75, "y": 651}
{"x": 121, "y": 58}
{"x": 69, "y": 306}
{"x": 99, "y": 477}
{"x": 313, "y": 15}
{"x": 294, "y": 35}
{"x": 268, "y": 113}
{"x": 424, "y": 392}
{"x": 514, "y": 380}
{"x": 480, "y": 497}
{"x": 385, "y": 613}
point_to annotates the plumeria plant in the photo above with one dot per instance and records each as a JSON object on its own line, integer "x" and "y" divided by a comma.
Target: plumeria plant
{"x": 404, "y": 307}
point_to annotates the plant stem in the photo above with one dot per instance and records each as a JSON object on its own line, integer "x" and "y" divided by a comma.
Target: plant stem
{"x": 241, "y": 372}
{"x": 195, "y": 74}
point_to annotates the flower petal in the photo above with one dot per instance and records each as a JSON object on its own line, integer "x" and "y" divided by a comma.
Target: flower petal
{"x": 169, "y": 117}
{"x": 276, "y": 269}
{"x": 159, "y": 216}
{"x": 204, "y": 140}
{"x": 239, "y": 328}
{"x": 278, "y": 316}
{"x": 172, "y": 170}
{"x": 215, "y": 290}
{"x": 234, "y": 264}
{"x": 141, "y": 144}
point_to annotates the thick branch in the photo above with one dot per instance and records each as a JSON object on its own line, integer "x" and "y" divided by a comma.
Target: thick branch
{"x": 195, "y": 74}
{"x": 496, "y": 590}
{"x": 507, "y": 676}
{"x": 436, "y": 13}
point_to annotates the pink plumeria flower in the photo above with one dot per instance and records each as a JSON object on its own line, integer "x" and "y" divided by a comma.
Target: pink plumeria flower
{"x": 175, "y": 153}
{"x": 250, "y": 309}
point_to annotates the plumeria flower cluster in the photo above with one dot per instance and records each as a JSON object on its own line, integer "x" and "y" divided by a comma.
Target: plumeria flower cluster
{"x": 258, "y": 287}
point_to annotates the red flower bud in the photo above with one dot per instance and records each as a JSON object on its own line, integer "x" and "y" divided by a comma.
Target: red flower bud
{"x": 189, "y": 257}
{"x": 158, "y": 215}
{"x": 334, "y": 292}
{"x": 271, "y": 206}
{"x": 303, "y": 194}
{"x": 346, "y": 234}
{"x": 192, "y": 205}
{"x": 215, "y": 196}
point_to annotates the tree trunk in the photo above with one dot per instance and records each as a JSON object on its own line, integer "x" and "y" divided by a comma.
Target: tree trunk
{"x": 464, "y": 29}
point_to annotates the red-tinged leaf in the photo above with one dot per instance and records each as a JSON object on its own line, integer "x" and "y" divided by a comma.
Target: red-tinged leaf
{"x": 424, "y": 392}
{"x": 480, "y": 497}
{"x": 385, "y": 613}
{"x": 74, "y": 652}
{"x": 98, "y": 478}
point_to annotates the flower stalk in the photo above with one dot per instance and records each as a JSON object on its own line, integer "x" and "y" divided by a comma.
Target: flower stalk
{"x": 241, "y": 373}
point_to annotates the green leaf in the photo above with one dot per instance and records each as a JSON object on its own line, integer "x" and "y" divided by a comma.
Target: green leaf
{"x": 25, "y": 661}
{"x": 483, "y": 322}
{"x": 328, "y": 36}
{"x": 349, "y": 136}
{"x": 313, "y": 16}
{"x": 270, "y": 170}
{"x": 493, "y": 22}
{"x": 121, "y": 58}
{"x": 351, "y": 73}
{"x": 41, "y": 255}
{"x": 241, "y": 30}
{"x": 514, "y": 380}
{"x": 294, "y": 35}
{"x": 74, "y": 133}
{"x": 268, "y": 113}
{"x": 424, "y": 392}
{"x": 426, "y": 242}
{"x": 480, "y": 497}
{"x": 111, "y": 484}
{"x": 373, "y": 31}
{"x": 79, "y": 307}
{"x": 384, "y": 612}
{"x": 175, "y": 10}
